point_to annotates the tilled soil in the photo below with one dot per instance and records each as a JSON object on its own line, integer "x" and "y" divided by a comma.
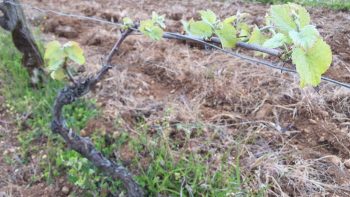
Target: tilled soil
{"x": 296, "y": 140}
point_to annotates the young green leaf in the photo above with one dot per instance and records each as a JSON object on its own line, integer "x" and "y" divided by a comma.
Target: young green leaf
{"x": 244, "y": 30}
{"x": 186, "y": 25}
{"x": 58, "y": 74}
{"x": 201, "y": 29}
{"x": 303, "y": 16}
{"x": 158, "y": 19}
{"x": 312, "y": 63}
{"x": 276, "y": 41}
{"x": 208, "y": 16}
{"x": 280, "y": 16}
{"x": 74, "y": 52}
{"x": 306, "y": 38}
{"x": 151, "y": 30}
{"x": 54, "y": 55}
{"x": 257, "y": 37}
{"x": 127, "y": 22}
{"x": 230, "y": 20}
{"x": 227, "y": 35}
{"x": 156, "y": 33}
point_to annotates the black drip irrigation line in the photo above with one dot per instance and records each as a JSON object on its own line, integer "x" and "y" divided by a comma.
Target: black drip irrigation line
{"x": 178, "y": 36}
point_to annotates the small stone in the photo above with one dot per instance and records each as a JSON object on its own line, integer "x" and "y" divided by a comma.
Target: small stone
{"x": 347, "y": 163}
{"x": 44, "y": 157}
{"x": 172, "y": 91}
{"x": 65, "y": 190}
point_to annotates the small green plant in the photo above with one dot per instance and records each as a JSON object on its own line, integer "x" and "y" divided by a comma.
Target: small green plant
{"x": 83, "y": 174}
{"x": 35, "y": 132}
{"x": 288, "y": 28}
{"x": 210, "y": 25}
{"x": 153, "y": 28}
{"x": 57, "y": 57}
{"x": 185, "y": 174}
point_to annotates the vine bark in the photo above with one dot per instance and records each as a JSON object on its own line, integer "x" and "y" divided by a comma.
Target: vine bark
{"x": 13, "y": 20}
{"x": 83, "y": 145}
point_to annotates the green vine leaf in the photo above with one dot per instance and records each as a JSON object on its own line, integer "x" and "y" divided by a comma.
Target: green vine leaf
{"x": 156, "y": 33}
{"x": 54, "y": 55}
{"x": 57, "y": 55}
{"x": 244, "y": 30}
{"x": 150, "y": 29}
{"x": 289, "y": 17}
{"x": 257, "y": 37}
{"x": 312, "y": 63}
{"x": 58, "y": 74}
{"x": 159, "y": 20}
{"x": 127, "y": 22}
{"x": 208, "y": 17}
{"x": 302, "y": 14}
{"x": 200, "y": 28}
{"x": 227, "y": 35}
{"x": 74, "y": 52}
{"x": 282, "y": 19}
{"x": 306, "y": 38}
{"x": 230, "y": 20}
{"x": 276, "y": 41}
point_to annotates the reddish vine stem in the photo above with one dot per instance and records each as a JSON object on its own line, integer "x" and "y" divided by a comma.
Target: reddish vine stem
{"x": 83, "y": 145}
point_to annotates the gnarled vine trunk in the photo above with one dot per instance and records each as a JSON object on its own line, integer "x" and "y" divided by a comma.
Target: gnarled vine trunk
{"x": 83, "y": 145}
{"x": 13, "y": 20}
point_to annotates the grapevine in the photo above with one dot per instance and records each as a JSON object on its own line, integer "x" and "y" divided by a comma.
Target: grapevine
{"x": 287, "y": 29}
